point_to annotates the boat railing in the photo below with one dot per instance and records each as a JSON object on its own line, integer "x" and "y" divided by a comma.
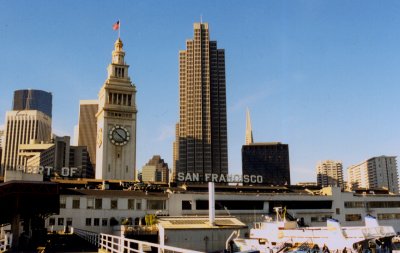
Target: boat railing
{"x": 283, "y": 246}
{"x": 306, "y": 246}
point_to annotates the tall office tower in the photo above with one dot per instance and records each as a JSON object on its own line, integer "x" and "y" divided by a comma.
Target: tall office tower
{"x": 87, "y": 127}
{"x": 202, "y": 134}
{"x": 376, "y": 172}
{"x": 156, "y": 171}
{"x": 175, "y": 153}
{"x": 22, "y": 127}
{"x": 116, "y": 122}
{"x": 269, "y": 160}
{"x": 33, "y": 100}
{"x": 249, "y": 131}
{"x": 330, "y": 173}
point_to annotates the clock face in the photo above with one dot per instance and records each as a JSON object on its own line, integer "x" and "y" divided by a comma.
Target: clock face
{"x": 119, "y": 135}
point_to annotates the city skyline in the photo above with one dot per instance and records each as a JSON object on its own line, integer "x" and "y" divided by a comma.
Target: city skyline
{"x": 321, "y": 77}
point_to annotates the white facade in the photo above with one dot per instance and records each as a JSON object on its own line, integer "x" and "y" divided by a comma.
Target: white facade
{"x": 376, "y": 172}
{"x": 313, "y": 207}
{"x": 330, "y": 173}
{"x": 94, "y": 210}
{"x": 116, "y": 122}
{"x": 21, "y": 127}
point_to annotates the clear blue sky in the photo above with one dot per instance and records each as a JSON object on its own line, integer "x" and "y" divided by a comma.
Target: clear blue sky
{"x": 322, "y": 76}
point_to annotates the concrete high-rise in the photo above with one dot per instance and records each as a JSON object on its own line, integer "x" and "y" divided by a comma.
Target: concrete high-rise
{"x": 33, "y": 100}
{"x": 201, "y": 137}
{"x": 116, "y": 121}
{"x": 87, "y": 127}
{"x": 23, "y": 127}
{"x": 376, "y": 172}
{"x": 156, "y": 171}
{"x": 330, "y": 173}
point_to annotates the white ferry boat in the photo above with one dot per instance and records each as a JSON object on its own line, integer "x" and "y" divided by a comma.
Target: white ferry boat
{"x": 281, "y": 235}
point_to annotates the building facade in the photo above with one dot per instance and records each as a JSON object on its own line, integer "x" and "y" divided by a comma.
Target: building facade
{"x": 33, "y": 100}
{"x": 101, "y": 210}
{"x": 87, "y": 127}
{"x": 79, "y": 158}
{"x": 269, "y": 160}
{"x": 201, "y": 137}
{"x": 156, "y": 171}
{"x": 376, "y": 172}
{"x": 23, "y": 127}
{"x": 116, "y": 122}
{"x": 330, "y": 173}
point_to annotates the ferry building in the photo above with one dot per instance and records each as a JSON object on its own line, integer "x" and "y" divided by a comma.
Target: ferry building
{"x": 101, "y": 210}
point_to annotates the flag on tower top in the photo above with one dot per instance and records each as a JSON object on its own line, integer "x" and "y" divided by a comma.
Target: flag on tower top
{"x": 116, "y": 25}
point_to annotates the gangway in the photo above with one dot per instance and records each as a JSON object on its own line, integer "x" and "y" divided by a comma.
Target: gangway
{"x": 117, "y": 244}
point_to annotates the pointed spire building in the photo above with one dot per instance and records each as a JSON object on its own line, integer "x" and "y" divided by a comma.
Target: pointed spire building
{"x": 267, "y": 159}
{"x": 249, "y": 131}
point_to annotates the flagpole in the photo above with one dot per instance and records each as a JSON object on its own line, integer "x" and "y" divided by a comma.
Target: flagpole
{"x": 119, "y": 29}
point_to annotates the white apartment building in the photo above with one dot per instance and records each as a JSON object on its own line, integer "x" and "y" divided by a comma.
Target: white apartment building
{"x": 330, "y": 173}
{"x": 376, "y": 172}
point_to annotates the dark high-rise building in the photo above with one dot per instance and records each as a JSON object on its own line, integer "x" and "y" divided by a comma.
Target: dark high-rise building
{"x": 269, "y": 160}
{"x": 201, "y": 135}
{"x": 33, "y": 100}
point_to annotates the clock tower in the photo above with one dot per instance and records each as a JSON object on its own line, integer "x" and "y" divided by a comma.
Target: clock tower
{"x": 116, "y": 122}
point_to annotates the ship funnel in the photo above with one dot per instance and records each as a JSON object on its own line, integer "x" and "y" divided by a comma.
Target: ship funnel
{"x": 211, "y": 202}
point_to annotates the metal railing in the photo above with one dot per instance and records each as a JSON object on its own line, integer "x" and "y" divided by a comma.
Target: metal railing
{"x": 89, "y": 236}
{"x": 117, "y": 244}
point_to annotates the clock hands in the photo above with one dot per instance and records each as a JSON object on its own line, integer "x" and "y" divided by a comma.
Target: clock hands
{"x": 122, "y": 137}
{"x": 119, "y": 135}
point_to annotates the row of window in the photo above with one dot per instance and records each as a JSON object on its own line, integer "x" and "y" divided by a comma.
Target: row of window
{"x": 381, "y": 216}
{"x": 372, "y": 204}
{"x": 97, "y": 203}
{"x": 60, "y": 221}
{"x": 88, "y": 221}
{"x": 120, "y": 99}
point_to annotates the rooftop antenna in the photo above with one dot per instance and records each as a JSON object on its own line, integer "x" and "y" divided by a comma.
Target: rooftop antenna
{"x": 201, "y": 18}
